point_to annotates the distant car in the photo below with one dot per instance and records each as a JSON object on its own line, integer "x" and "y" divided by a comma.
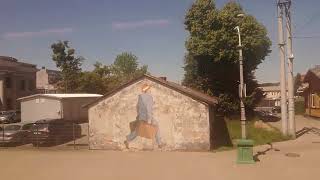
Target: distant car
{"x": 7, "y": 117}
{"x": 53, "y": 131}
{"x": 15, "y": 134}
{"x": 267, "y": 116}
{"x": 276, "y": 109}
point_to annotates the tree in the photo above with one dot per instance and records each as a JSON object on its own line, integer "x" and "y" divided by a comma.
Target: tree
{"x": 211, "y": 62}
{"x": 126, "y": 67}
{"x": 297, "y": 83}
{"x": 104, "y": 78}
{"x": 96, "y": 81}
{"x": 70, "y": 66}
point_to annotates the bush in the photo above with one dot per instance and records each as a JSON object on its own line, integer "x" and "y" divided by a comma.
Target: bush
{"x": 299, "y": 107}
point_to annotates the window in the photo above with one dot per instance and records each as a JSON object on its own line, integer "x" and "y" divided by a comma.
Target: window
{"x": 27, "y": 126}
{"x": 8, "y": 82}
{"x": 23, "y": 85}
{"x": 315, "y": 101}
{"x": 9, "y": 104}
{"x": 30, "y": 85}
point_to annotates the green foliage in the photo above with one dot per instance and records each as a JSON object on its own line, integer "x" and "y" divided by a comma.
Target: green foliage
{"x": 299, "y": 107}
{"x": 297, "y": 82}
{"x": 104, "y": 78}
{"x": 126, "y": 67}
{"x": 211, "y": 63}
{"x": 96, "y": 81}
{"x": 70, "y": 65}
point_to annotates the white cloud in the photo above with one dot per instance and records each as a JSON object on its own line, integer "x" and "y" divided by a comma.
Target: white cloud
{"x": 140, "y": 24}
{"x": 26, "y": 34}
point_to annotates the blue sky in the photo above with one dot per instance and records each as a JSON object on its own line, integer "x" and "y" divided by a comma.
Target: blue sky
{"x": 151, "y": 29}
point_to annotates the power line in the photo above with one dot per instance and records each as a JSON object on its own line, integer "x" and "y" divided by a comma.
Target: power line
{"x": 305, "y": 37}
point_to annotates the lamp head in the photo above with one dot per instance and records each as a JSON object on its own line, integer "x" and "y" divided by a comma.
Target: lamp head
{"x": 240, "y": 15}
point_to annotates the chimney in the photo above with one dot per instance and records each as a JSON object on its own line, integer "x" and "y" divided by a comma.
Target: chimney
{"x": 163, "y": 78}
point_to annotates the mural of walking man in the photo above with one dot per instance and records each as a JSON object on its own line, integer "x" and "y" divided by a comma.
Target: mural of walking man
{"x": 146, "y": 125}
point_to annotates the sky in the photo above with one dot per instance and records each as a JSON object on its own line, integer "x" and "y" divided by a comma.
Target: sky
{"x": 153, "y": 30}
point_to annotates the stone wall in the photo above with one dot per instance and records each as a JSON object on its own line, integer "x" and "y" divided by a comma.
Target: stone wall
{"x": 183, "y": 121}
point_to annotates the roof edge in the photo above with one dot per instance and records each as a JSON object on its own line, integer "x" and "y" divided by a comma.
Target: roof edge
{"x": 214, "y": 100}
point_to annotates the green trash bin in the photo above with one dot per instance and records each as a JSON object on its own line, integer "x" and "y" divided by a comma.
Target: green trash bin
{"x": 245, "y": 151}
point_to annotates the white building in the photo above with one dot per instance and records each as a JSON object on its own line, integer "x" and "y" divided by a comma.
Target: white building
{"x": 272, "y": 96}
{"x": 56, "y": 106}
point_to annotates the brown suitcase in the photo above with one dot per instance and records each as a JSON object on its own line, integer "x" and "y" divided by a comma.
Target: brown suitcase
{"x": 146, "y": 130}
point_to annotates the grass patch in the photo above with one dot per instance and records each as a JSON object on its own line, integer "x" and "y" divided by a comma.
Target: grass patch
{"x": 258, "y": 135}
{"x": 299, "y": 107}
{"x": 223, "y": 148}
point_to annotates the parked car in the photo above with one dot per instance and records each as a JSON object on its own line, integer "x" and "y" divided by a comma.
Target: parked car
{"x": 15, "y": 134}
{"x": 54, "y": 131}
{"x": 276, "y": 109}
{"x": 268, "y": 116}
{"x": 7, "y": 117}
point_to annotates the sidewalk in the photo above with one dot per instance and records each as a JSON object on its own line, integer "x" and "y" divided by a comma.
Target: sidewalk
{"x": 83, "y": 164}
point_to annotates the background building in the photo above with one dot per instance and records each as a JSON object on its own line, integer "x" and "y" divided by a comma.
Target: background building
{"x": 311, "y": 91}
{"x": 47, "y": 80}
{"x": 17, "y": 79}
{"x": 272, "y": 96}
{"x": 185, "y": 116}
{"x": 56, "y": 106}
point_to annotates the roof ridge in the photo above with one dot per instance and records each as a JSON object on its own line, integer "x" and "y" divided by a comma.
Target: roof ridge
{"x": 195, "y": 94}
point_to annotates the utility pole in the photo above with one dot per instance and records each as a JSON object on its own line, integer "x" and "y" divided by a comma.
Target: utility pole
{"x": 291, "y": 120}
{"x": 283, "y": 91}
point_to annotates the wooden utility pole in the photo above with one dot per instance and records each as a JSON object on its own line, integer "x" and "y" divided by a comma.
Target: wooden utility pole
{"x": 283, "y": 91}
{"x": 291, "y": 120}
{"x": 288, "y": 125}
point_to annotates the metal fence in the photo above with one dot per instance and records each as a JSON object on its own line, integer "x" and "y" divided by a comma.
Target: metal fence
{"x": 52, "y": 134}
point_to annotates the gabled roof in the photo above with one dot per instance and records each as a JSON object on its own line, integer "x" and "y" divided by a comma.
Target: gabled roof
{"x": 61, "y": 96}
{"x": 197, "y": 95}
{"x": 14, "y": 60}
{"x": 270, "y": 88}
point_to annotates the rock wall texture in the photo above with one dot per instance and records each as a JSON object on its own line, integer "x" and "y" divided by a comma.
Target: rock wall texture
{"x": 183, "y": 121}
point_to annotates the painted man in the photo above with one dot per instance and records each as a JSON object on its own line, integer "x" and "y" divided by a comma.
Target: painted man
{"x": 145, "y": 114}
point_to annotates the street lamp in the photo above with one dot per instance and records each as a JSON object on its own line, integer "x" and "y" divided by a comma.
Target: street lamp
{"x": 245, "y": 146}
{"x": 242, "y": 93}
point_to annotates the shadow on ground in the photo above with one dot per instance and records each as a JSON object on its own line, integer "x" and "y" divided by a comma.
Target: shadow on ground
{"x": 307, "y": 130}
{"x": 262, "y": 153}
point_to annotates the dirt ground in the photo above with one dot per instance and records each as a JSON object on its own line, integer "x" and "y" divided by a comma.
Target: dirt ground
{"x": 272, "y": 163}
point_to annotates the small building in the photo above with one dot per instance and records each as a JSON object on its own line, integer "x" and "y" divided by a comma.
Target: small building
{"x": 272, "y": 96}
{"x": 47, "y": 80}
{"x": 184, "y": 116}
{"x": 56, "y": 106}
{"x": 312, "y": 92}
{"x": 17, "y": 79}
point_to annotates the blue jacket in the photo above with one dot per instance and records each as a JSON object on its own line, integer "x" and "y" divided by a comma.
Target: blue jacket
{"x": 145, "y": 107}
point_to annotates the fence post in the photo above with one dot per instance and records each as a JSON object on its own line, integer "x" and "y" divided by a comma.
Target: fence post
{"x": 74, "y": 138}
{"x": 37, "y": 134}
{"x": 2, "y": 144}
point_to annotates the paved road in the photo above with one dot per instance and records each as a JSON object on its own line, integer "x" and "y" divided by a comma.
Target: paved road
{"x": 83, "y": 164}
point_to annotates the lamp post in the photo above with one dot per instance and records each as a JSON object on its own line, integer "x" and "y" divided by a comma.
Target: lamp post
{"x": 242, "y": 93}
{"x": 245, "y": 146}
